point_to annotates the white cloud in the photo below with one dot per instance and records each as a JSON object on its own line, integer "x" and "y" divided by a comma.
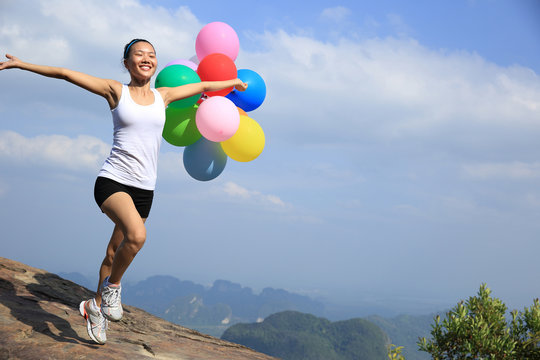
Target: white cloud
{"x": 83, "y": 153}
{"x": 336, "y": 14}
{"x": 340, "y": 90}
{"x": 389, "y": 88}
{"x": 496, "y": 171}
{"x": 343, "y": 93}
{"x": 400, "y": 26}
{"x": 238, "y": 192}
{"x": 407, "y": 209}
{"x": 532, "y": 200}
{"x": 80, "y": 34}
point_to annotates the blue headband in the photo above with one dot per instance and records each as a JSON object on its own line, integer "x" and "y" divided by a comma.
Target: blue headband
{"x": 127, "y": 49}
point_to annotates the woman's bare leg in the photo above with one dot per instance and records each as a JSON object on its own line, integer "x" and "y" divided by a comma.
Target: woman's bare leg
{"x": 120, "y": 208}
{"x": 105, "y": 269}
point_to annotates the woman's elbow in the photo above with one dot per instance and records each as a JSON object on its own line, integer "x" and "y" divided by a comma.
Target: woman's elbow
{"x": 205, "y": 86}
{"x": 63, "y": 73}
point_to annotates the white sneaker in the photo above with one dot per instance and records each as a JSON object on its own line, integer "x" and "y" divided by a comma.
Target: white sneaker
{"x": 111, "y": 304}
{"x": 96, "y": 324}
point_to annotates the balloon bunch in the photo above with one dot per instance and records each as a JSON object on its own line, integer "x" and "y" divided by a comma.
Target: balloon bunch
{"x": 216, "y": 125}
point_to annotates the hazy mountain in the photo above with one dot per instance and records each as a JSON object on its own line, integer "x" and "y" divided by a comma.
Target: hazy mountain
{"x": 212, "y": 310}
{"x": 292, "y": 335}
{"x": 157, "y": 293}
{"x": 191, "y": 309}
{"x": 404, "y": 330}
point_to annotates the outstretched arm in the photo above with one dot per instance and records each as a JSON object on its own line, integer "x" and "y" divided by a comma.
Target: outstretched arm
{"x": 171, "y": 94}
{"x": 109, "y": 89}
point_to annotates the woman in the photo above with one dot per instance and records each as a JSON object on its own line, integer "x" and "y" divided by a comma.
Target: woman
{"x": 125, "y": 185}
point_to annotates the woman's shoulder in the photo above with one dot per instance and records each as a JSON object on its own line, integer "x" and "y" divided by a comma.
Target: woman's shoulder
{"x": 161, "y": 90}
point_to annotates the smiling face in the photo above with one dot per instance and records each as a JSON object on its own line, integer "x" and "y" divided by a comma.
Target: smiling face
{"x": 141, "y": 61}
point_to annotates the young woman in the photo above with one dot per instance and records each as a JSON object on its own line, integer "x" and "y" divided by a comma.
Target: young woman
{"x": 125, "y": 185}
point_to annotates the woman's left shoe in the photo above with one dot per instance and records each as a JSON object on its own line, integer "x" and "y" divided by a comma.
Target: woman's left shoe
{"x": 96, "y": 324}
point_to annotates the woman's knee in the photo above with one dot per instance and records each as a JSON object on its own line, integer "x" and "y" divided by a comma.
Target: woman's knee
{"x": 135, "y": 238}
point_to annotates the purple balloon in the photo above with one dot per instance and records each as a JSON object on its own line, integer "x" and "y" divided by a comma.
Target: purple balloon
{"x": 190, "y": 64}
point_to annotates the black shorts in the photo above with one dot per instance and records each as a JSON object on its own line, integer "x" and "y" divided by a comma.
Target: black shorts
{"x": 142, "y": 199}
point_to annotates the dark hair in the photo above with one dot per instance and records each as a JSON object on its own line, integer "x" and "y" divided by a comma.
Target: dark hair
{"x": 128, "y": 46}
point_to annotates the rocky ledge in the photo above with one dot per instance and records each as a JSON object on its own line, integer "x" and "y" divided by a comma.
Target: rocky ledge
{"x": 39, "y": 319}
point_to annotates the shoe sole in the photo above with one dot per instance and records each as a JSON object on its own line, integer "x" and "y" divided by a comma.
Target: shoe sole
{"x": 110, "y": 318}
{"x": 84, "y": 314}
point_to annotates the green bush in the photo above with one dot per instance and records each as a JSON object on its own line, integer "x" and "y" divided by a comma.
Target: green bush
{"x": 478, "y": 329}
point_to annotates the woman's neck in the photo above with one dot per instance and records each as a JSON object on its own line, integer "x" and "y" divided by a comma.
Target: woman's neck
{"x": 139, "y": 84}
{"x": 141, "y": 94}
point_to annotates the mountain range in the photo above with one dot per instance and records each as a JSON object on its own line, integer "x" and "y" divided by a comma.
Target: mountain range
{"x": 207, "y": 309}
{"x": 212, "y": 310}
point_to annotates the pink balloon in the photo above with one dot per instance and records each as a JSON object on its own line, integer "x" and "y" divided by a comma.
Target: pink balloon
{"x": 190, "y": 64}
{"x": 217, "y": 37}
{"x": 217, "y": 118}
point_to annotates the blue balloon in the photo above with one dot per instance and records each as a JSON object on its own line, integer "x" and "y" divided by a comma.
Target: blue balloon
{"x": 204, "y": 159}
{"x": 255, "y": 93}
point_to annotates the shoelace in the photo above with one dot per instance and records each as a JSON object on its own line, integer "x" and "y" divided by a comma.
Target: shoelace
{"x": 111, "y": 295}
{"x": 102, "y": 319}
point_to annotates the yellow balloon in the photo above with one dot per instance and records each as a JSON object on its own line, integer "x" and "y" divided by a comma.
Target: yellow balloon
{"x": 247, "y": 143}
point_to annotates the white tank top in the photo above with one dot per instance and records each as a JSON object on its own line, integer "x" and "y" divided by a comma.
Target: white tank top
{"x": 137, "y": 139}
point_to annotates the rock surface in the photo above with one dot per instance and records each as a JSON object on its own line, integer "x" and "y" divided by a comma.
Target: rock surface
{"x": 39, "y": 319}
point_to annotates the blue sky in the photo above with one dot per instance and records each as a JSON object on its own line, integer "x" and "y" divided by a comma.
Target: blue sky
{"x": 401, "y": 160}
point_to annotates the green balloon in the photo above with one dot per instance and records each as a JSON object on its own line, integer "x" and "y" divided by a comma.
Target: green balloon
{"x": 180, "y": 128}
{"x": 177, "y": 75}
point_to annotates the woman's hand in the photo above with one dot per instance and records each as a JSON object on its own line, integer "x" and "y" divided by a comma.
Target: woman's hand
{"x": 13, "y": 62}
{"x": 240, "y": 85}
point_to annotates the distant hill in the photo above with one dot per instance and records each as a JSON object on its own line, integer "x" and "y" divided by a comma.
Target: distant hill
{"x": 292, "y": 335}
{"x": 212, "y": 310}
{"x": 209, "y": 310}
{"x": 404, "y": 330}
{"x": 157, "y": 293}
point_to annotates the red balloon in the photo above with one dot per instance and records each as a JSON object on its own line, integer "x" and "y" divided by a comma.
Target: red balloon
{"x": 217, "y": 67}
